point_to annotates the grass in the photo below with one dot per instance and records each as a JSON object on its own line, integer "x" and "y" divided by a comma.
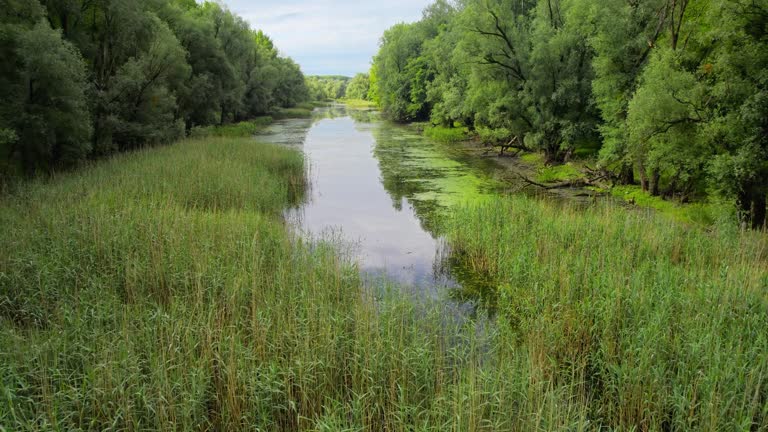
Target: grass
{"x": 702, "y": 213}
{"x": 307, "y": 105}
{"x": 358, "y": 103}
{"x": 234, "y": 130}
{"x": 446, "y": 134}
{"x": 161, "y": 290}
{"x": 558, "y": 173}
{"x": 632, "y": 321}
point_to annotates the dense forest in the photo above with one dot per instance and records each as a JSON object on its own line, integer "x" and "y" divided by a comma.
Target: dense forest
{"x": 81, "y": 78}
{"x": 670, "y": 94}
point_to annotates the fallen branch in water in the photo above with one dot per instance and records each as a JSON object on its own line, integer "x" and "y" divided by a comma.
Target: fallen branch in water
{"x": 578, "y": 183}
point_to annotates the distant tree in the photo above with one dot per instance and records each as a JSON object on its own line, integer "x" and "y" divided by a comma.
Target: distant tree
{"x": 358, "y": 87}
{"x": 323, "y": 88}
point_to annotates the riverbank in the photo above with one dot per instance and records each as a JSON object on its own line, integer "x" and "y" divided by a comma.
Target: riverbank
{"x": 249, "y": 128}
{"x": 162, "y": 290}
{"x": 573, "y": 180}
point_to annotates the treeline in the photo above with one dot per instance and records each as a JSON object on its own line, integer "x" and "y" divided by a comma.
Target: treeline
{"x": 85, "y": 78}
{"x": 334, "y": 87}
{"x": 672, "y": 92}
{"x": 327, "y": 87}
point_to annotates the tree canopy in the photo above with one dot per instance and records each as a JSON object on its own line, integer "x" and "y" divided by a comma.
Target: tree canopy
{"x": 83, "y": 78}
{"x": 671, "y": 92}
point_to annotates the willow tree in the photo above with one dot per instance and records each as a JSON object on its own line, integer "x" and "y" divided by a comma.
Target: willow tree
{"x": 44, "y": 120}
{"x": 532, "y": 79}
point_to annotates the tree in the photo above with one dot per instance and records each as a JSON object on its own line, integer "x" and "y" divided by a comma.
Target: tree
{"x": 85, "y": 78}
{"x": 532, "y": 75}
{"x": 44, "y": 119}
{"x": 358, "y": 87}
{"x": 622, "y": 34}
{"x": 739, "y": 78}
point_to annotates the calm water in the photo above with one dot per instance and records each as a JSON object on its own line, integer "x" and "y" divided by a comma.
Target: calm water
{"x": 380, "y": 189}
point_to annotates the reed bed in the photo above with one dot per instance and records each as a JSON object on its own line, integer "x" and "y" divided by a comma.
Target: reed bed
{"x": 653, "y": 325}
{"x": 161, "y": 290}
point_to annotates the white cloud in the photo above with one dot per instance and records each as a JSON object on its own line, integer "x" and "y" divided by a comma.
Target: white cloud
{"x": 328, "y": 36}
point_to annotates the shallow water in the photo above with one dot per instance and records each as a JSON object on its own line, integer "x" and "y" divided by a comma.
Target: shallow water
{"x": 381, "y": 189}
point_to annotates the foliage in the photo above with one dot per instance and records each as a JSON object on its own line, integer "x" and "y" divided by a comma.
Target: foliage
{"x": 675, "y": 89}
{"x": 445, "y": 134}
{"x": 555, "y": 173}
{"x": 327, "y": 88}
{"x": 358, "y": 87}
{"x": 44, "y": 113}
{"x": 82, "y": 79}
{"x": 233, "y": 130}
{"x": 590, "y": 296}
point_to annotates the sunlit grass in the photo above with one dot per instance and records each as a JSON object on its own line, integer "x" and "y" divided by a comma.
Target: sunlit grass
{"x": 558, "y": 173}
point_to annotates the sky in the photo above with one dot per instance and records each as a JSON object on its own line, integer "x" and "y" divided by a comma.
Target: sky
{"x": 327, "y": 37}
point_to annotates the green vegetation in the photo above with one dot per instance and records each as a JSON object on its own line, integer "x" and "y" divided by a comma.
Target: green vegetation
{"x": 285, "y": 113}
{"x": 358, "y": 87}
{"x": 234, "y": 130}
{"x": 327, "y": 88}
{"x": 358, "y": 103}
{"x": 355, "y": 91}
{"x": 671, "y": 94}
{"x": 446, "y": 134}
{"x": 161, "y": 290}
{"x": 556, "y": 173}
{"x": 622, "y": 320}
{"x": 702, "y": 213}
{"x": 82, "y": 79}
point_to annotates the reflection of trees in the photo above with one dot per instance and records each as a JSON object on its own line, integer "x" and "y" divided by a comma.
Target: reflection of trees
{"x": 405, "y": 175}
{"x": 335, "y": 110}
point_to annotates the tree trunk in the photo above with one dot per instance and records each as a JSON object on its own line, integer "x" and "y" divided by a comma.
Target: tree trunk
{"x": 758, "y": 211}
{"x": 654, "y": 184}
{"x": 753, "y": 207}
{"x": 554, "y": 155}
{"x": 643, "y": 176}
{"x": 626, "y": 175}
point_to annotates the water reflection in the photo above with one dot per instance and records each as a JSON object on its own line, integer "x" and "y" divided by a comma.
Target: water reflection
{"x": 382, "y": 188}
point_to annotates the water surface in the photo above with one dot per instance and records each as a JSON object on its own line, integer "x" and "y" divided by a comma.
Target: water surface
{"x": 382, "y": 189}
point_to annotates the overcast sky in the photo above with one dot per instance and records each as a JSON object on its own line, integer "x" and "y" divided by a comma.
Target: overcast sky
{"x": 328, "y": 37}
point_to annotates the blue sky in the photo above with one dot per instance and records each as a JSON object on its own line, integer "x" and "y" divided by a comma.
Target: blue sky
{"x": 328, "y": 37}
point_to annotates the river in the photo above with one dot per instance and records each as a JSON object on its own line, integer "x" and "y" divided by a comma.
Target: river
{"x": 380, "y": 190}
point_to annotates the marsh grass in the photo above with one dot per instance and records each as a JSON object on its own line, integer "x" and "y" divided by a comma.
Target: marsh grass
{"x": 235, "y": 130}
{"x": 648, "y": 324}
{"x": 446, "y": 134}
{"x": 161, "y": 290}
